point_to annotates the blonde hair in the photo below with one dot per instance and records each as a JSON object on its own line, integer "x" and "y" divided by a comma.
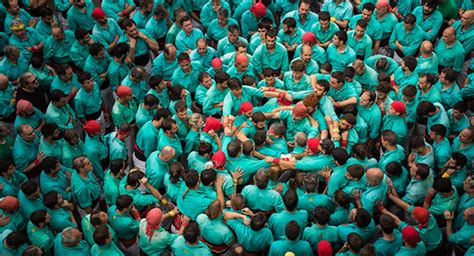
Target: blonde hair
{"x": 195, "y": 120}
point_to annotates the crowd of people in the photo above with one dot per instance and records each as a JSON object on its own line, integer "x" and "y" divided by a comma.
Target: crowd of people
{"x": 252, "y": 127}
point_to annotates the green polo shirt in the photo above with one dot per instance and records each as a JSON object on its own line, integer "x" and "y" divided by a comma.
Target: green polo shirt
{"x": 125, "y": 226}
{"x": 278, "y": 59}
{"x": 84, "y": 190}
{"x": 159, "y": 241}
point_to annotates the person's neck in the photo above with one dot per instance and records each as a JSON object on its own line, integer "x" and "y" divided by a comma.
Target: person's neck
{"x": 388, "y": 237}
{"x": 426, "y": 54}
{"x": 448, "y": 44}
{"x": 83, "y": 174}
{"x": 49, "y": 140}
{"x": 320, "y": 225}
{"x": 28, "y": 89}
{"x": 467, "y": 26}
{"x": 447, "y": 85}
{"x": 381, "y": 16}
{"x": 123, "y": 101}
{"x": 439, "y": 140}
{"x": 390, "y": 147}
{"x": 341, "y": 48}
{"x": 54, "y": 175}
{"x": 169, "y": 135}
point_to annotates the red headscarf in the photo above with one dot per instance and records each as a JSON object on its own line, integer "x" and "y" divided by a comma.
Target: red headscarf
{"x": 245, "y": 107}
{"x": 218, "y": 159}
{"x": 153, "y": 221}
{"x": 411, "y": 236}
{"x": 98, "y": 14}
{"x": 309, "y": 37}
{"x": 92, "y": 127}
{"x": 300, "y": 110}
{"x": 399, "y": 106}
{"x": 313, "y": 145}
{"x": 258, "y": 9}
{"x": 123, "y": 91}
{"x": 324, "y": 248}
{"x": 212, "y": 124}
{"x": 422, "y": 216}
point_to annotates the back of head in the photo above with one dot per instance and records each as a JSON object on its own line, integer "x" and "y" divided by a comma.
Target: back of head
{"x": 261, "y": 179}
{"x": 355, "y": 242}
{"x": 123, "y": 202}
{"x": 321, "y": 215}
{"x": 258, "y": 222}
{"x": 387, "y": 224}
{"x": 192, "y": 232}
{"x": 362, "y": 218}
{"x": 101, "y": 234}
{"x": 292, "y": 230}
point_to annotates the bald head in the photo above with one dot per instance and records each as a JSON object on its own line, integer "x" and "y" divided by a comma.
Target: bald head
{"x": 426, "y": 47}
{"x": 167, "y": 153}
{"x": 449, "y": 35}
{"x": 469, "y": 215}
{"x": 374, "y": 176}
{"x": 3, "y": 81}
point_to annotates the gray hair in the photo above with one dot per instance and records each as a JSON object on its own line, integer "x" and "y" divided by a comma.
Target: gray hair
{"x": 278, "y": 128}
{"x": 9, "y": 50}
{"x": 69, "y": 237}
{"x": 311, "y": 182}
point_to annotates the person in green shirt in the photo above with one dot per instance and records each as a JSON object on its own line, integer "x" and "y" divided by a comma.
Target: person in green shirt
{"x": 271, "y": 54}
{"x": 31, "y": 199}
{"x": 353, "y": 246}
{"x": 73, "y": 147}
{"x": 80, "y": 15}
{"x": 143, "y": 15}
{"x": 429, "y": 19}
{"x": 95, "y": 147}
{"x": 441, "y": 145}
{"x": 292, "y": 243}
{"x": 359, "y": 41}
{"x": 14, "y": 63}
{"x": 60, "y": 211}
{"x": 80, "y": 48}
{"x": 13, "y": 243}
{"x": 39, "y": 232}
{"x": 213, "y": 102}
{"x": 125, "y": 107}
{"x": 94, "y": 220}
{"x": 84, "y": 186}
{"x": 406, "y": 37}
{"x": 278, "y": 221}
{"x": 426, "y": 224}
{"x": 154, "y": 239}
{"x": 189, "y": 242}
{"x": 339, "y": 53}
{"x": 321, "y": 230}
{"x": 255, "y": 194}
{"x": 157, "y": 165}
{"x": 55, "y": 178}
{"x": 255, "y": 237}
{"x": 58, "y": 45}
{"x": 97, "y": 64}
{"x": 88, "y": 102}
{"x": 104, "y": 244}
{"x": 391, "y": 241}
{"x": 142, "y": 202}
{"x": 448, "y": 88}
{"x": 457, "y": 119}
{"x": 10, "y": 178}
{"x": 214, "y": 232}
{"x": 51, "y": 143}
{"x": 187, "y": 37}
{"x": 118, "y": 9}
{"x": 450, "y": 51}
{"x": 463, "y": 236}
{"x": 362, "y": 225}
{"x": 442, "y": 197}
{"x": 112, "y": 180}
{"x": 59, "y": 111}
{"x": 124, "y": 219}
{"x": 296, "y": 79}
{"x": 69, "y": 242}
{"x": 324, "y": 29}
{"x": 290, "y": 35}
{"x": 191, "y": 191}
{"x": 187, "y": 74}
{"x": 116, "y": 142}
{"x": 412, "y": 243}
